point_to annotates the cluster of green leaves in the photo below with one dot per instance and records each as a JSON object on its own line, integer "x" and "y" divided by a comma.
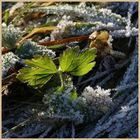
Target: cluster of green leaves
{"x": 41, "y": 69}
{"x": 77, "y": 63}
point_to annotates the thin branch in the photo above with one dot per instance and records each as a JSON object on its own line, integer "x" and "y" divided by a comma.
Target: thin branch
{"x": 63, "y": 41}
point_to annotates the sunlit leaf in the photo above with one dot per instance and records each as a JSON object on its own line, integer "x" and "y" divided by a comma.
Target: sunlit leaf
{"x": 76, "y": 62}
{"x": 39, "y": 73}
{"x": 44, "y": 62}
{"x": 67, "y": 58}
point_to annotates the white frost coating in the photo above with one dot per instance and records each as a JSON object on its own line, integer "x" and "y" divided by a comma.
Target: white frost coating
{"x": 132, "y": 71}
{"x": 68, "y": 28}
{"x": 110, "y": 40}
{"x": 124, "y": 33}
{"x": 29, "y": 49}
{"x": 128, "y": 27}
{"x": 125, "y": 118}
{"x": 63, "y": 28}
{"x": 47, "y": 38}
{"x": 98, "y": 99}
{"x": 88, "y": 13}
{"x": 8, "y": 61}
{"x": 10, "y": 35}
{"x": 60, "y": 106}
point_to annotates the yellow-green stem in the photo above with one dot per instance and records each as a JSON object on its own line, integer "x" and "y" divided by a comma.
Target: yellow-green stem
{"x": 61, "y": 88}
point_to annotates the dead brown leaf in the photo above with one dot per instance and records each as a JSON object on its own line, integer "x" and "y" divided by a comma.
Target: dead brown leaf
{"x": 37, "y": 31}
{"x": 9, "y": 79}
{"x": 99, "y": 40}
{"x": 64, "y": 41}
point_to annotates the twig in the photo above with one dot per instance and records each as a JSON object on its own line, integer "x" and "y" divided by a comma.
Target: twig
{"x": 100, "y": 75}
{"x": 105, "y": 80}
{"x": 46, "y": 132}
{"x": 120, "y": 89}
{"x": 18, "y": 126}
{"x": 73, "y": 130}
{"x": 63, "y": 41}
{"x": 10, "y": 78}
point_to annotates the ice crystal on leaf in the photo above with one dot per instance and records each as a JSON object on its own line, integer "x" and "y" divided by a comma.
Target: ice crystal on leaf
{"x": 10, "y": 35}
{"x": 9, "y": 60}
{"x": 61, "y": 106}
{"x": 98, "y": 99}
{"x": 30, "y": 49}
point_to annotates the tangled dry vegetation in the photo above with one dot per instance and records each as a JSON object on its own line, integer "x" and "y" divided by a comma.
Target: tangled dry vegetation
{"x": 70, "y": 70}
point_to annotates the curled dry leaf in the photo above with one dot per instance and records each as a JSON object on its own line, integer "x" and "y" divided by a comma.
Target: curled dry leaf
{"x": 37, "y": 31}
{"x": 63, "y": 41}
{"x": 100, "y": 41}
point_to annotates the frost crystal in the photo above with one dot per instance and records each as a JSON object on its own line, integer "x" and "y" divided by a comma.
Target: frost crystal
{"x": 8, "y": 61}
{"x": 120, "y": 123}
{"x": 87, "y": 13}
{"x": 132, "y": 71}
{"x": 128, "y": 27}
{"x": 30, "y": 49}
{"x": 98, "y": 99}
{"x": 64, "y": 28}
{"x": 110, "y": 40}
{"x": 95, "y": 102}
{"x": 61, "y": 106}
{"x": 10, "y": 35}
{"x": 92, "y": 18}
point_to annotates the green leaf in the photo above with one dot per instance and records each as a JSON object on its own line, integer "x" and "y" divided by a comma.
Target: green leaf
{"x": 67, "y": 58}
{"x": 76, "y": 62}
{"x": 39, "y": 73}
{"x": 82, "y": 70}
{"x": 43, "y": 62}
{"x": 73, "y": 95}
{"x": 6, "y": 16}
